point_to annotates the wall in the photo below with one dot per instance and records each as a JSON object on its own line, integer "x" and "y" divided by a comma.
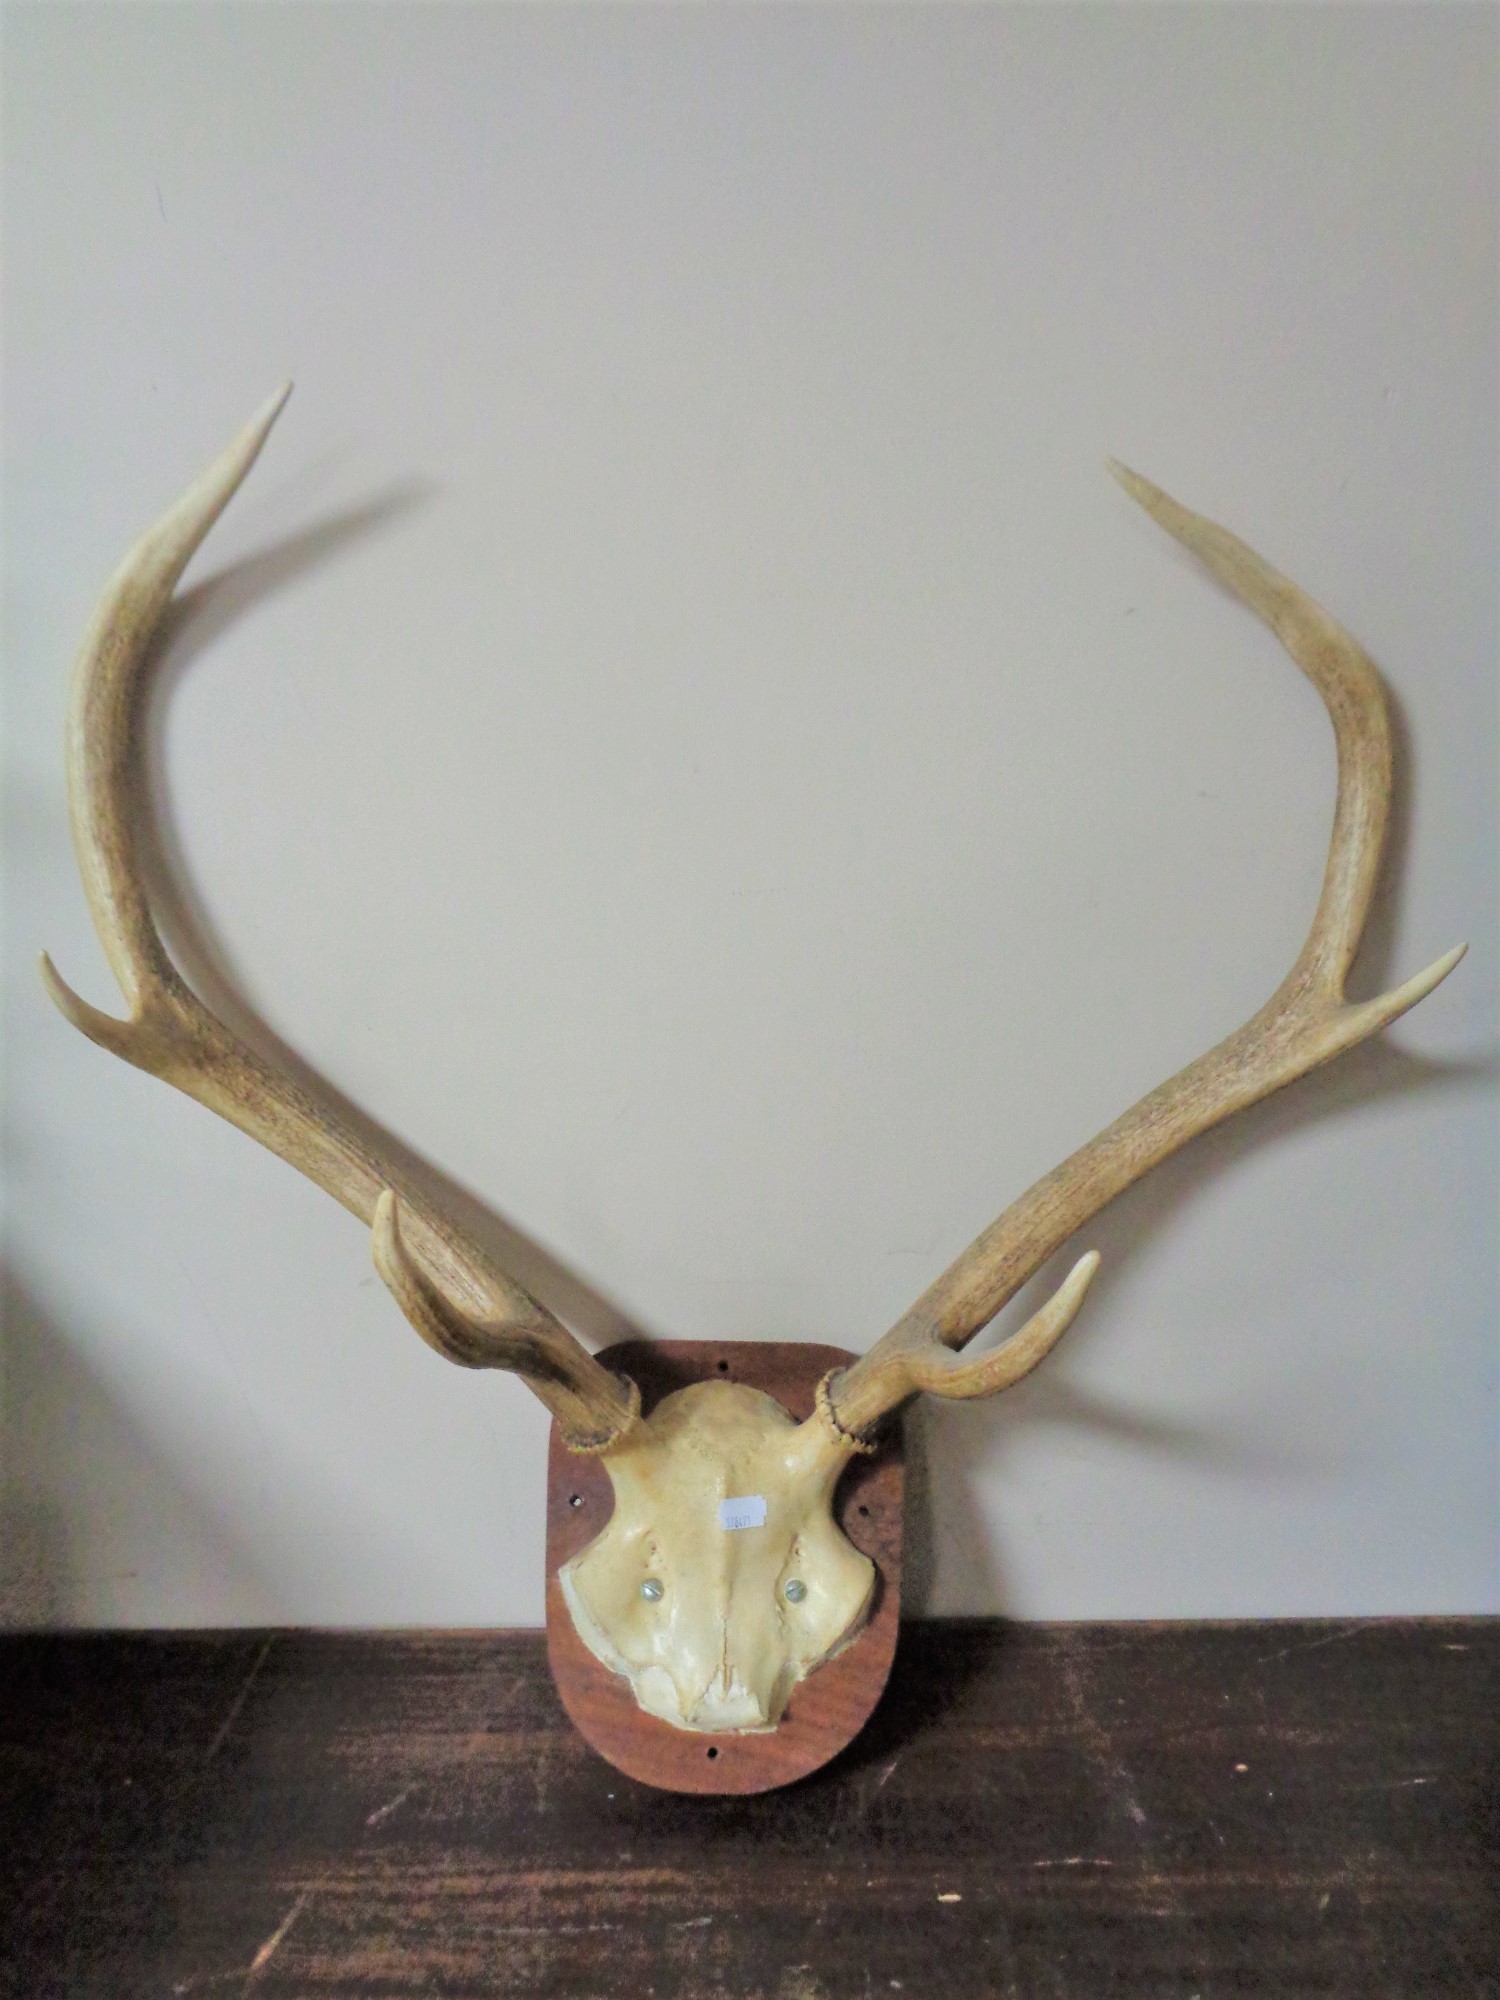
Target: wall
{"x": 681, "y": 729}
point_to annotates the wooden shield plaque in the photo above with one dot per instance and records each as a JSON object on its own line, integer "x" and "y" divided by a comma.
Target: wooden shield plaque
{"x": 830, "y": 1707}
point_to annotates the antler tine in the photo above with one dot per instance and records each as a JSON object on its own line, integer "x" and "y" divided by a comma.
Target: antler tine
{"x": 1306, "y": 1022}
{"x": 171, "y": 1033}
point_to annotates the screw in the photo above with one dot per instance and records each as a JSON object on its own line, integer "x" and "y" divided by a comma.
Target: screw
{"x": 651, "y": 1590}
{"x": 796, "y": 1590}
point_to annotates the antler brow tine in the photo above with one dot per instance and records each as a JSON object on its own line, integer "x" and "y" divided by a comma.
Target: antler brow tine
{"x": 173, "y": 1035}
{"x": 1306, "y": 1022}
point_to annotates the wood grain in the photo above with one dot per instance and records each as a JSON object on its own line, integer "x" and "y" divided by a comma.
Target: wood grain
{"x": 1288, "y": 1809}
{"x": 833, "y": 1704}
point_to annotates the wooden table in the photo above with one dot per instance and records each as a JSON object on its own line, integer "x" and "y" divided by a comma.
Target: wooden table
{"x": 1097, "y": 1810}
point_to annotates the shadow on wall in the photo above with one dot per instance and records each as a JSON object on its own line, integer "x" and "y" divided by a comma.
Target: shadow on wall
{"x": 85, "y": 1500}
{"x": 949, "y": 1551}
{"x": 193, "y": 623}
{"x": 949, "y": 1559}
{"x": 1369, "y": 1073}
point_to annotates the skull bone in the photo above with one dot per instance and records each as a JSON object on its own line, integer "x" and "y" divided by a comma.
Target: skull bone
{"x": 722, "y": 1643}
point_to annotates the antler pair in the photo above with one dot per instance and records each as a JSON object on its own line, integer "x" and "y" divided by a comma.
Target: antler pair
{"x": 458, "y": 1299}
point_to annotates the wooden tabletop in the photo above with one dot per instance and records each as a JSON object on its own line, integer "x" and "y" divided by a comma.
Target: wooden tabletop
{"x": 1286, "y": 1809}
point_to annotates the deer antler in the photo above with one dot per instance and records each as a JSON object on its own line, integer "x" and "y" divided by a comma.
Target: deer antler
{"x": 1304, "y": 1023}
{"x": 458, "y": 1300}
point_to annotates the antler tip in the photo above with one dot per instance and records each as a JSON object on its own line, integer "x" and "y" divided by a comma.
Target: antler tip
{"x": 100, "y": 1027}
{"x": 1136, "y": 486}
{"x": 59, "y": 992}
{"x": 1372, "y": 1015}
{"x": 259, "y": 427}
{"x": 1158, "y": 503}
{"x": 385, "y": 1232}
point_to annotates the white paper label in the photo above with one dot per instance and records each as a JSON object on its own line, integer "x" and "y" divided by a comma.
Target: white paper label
{"x": 748, "y": 1511}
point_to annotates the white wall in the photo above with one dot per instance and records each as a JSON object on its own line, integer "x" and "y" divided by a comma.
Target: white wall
{"x": 692, "y": 741}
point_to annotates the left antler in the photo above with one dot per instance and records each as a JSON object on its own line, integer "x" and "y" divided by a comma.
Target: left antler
{"x": 470, "y": 1311}
{"x": 1306, "y": 1022}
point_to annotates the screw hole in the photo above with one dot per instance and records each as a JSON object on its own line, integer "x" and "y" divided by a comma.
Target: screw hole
{"x": 575, "y": 1499}
{"x": 723, "y": 1367}
{"x": 866, "y": 1512}
{"x": 713, "y": 1749}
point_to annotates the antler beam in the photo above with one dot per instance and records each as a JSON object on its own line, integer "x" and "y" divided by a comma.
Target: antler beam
{"x": 461, "y": 1303}
{"x": 1307, "y": 1021}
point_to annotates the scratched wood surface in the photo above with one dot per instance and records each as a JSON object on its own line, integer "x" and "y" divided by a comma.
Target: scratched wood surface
{"x": 1288, "y": 1809}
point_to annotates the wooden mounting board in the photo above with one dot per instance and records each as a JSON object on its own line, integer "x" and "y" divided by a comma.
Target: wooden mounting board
{"x": 832, "y": 1705}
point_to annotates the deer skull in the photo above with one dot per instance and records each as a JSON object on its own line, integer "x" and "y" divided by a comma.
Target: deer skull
{"x": 712, "y": 1623}
{"x": 721, "y": 1579}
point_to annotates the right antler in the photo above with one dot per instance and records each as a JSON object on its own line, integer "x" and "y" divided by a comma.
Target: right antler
{"x": 460, "y": 1302}
{"x": 1304, "y": 1023}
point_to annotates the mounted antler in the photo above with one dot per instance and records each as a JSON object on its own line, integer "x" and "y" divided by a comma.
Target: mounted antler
{"x": 461, "y": 1303}
{"x": 1304, "y": 1023}
{"x": 714, "y": 1616}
